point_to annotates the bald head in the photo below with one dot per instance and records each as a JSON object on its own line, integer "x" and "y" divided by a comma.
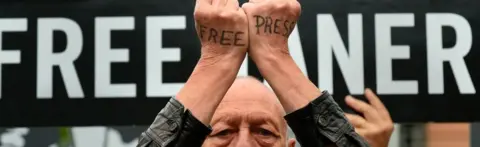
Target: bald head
{"x": 248, "y": 110}
{"x": 251, "y": 90}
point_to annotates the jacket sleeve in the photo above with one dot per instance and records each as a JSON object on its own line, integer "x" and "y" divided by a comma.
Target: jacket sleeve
{"x": 322, "y": 123}
{"x": 174, "y": 127}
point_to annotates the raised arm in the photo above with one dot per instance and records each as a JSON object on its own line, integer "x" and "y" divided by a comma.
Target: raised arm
{"x": 223, "y": 31}
{"x": 314, "y": 116}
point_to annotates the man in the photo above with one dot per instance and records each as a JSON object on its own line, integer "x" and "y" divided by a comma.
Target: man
{"x": 248, "y": 117}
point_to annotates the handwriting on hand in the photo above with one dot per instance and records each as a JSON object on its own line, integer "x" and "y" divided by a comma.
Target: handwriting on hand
{"x": 222, "y": 37}
{"x": 276, "y": 26}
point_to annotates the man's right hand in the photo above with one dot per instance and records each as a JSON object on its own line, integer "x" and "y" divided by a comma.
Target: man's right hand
{"x": 222, "y": 28}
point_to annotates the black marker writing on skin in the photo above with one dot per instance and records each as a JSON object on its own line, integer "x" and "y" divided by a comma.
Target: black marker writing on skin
{"x": 276, "y": 25}
{"x": 260, "y": 22}
{"x": 287, "y": 28}
{"x": 268, "y": 24}
{"x": 224, "y": 40}
{"x": 213, "y": 35}
{"x": 238, "y": 38}
{"x": 202, "y": 31}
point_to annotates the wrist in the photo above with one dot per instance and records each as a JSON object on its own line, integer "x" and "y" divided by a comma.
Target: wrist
{"x": 292, "y": 87}
{"x": 269, "y": 61}
{"x": 267, "y": 53}
{"x": 207, "y": 85}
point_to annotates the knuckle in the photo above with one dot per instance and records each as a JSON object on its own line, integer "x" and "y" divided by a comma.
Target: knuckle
{"x": 201, "y": 16}
{"x": 390, "y": 128}
{"x": 198, "y": 14}
{"x": 296, "y": 8}
{"x": 281, "y": 6}
{"x": 226, "y": 15}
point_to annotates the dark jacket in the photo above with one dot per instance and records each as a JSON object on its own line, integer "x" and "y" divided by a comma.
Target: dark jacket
{"x": 319, "y": 124}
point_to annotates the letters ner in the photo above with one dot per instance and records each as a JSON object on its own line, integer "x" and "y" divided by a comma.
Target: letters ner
{"x": 330, "y": 45}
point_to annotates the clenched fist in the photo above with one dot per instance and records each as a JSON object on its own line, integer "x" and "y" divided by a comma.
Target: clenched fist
{"x": 222, "y": 28}
{"x": 270, "y": 25}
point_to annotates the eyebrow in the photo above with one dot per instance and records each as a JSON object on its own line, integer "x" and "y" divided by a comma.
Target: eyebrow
{"x": 256, "y": 118}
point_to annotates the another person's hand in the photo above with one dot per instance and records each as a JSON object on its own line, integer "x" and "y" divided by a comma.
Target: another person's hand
{"x": 222, "y": 28}
{"x": 376, "y": 126}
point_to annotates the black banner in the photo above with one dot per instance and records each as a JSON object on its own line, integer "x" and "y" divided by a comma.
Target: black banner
{"x": 117, "y": 62}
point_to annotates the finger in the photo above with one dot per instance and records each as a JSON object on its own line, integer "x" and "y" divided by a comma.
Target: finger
{"x": 369, "y": 112}
{"x": 373, "y": 99}
{"x": 376, "y": 103}
{"x": 232, "y": 4}
{"x": 358, "y": 105}
{"x": 356, "y": 121}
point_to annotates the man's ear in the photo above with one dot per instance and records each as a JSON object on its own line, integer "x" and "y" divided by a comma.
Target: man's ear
{"x": 291, "y": 142}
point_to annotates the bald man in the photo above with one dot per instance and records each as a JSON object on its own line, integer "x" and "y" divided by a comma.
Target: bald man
{"x": 243, "y": 113}
{"x": 249, "y": 114}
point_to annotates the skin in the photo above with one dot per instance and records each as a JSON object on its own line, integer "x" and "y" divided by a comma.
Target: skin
{"x": 377, "y": 126}
{"x": 205, "y": 93}
{"x": 218, "y": 65}
{"x": 250, "y": 115}
{"x": 270, "y": 53}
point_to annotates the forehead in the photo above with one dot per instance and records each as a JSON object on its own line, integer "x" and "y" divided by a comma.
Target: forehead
{"x": 249, "y": 100}
{"x": 252, "y": 112}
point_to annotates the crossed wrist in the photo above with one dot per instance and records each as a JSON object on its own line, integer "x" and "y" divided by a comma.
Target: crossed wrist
{"x": 220, "y": 63}
{"x": 271, "y": 57}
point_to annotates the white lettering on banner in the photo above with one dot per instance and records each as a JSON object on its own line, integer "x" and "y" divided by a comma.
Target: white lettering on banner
{"x": 329, "y": 42}
{"x": 47, "y": 59}
{"x": 157, "y": 54}
{"x": 386, "y": 52}
{"x": 351, "y": 64}
{"x": 437, "y": 54}
{"x": 105, "y": 55}
{"x": 10, "y": 56}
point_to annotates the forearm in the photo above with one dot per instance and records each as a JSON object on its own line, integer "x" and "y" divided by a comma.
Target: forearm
{"x": 292, "y": 87}
{"x": 185, "y": 119}
{"x": 313, "y": 115}
{"x": 174, "y": 127}
{"x": 207, "y": 85}
{"x": 322, "y": 123}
